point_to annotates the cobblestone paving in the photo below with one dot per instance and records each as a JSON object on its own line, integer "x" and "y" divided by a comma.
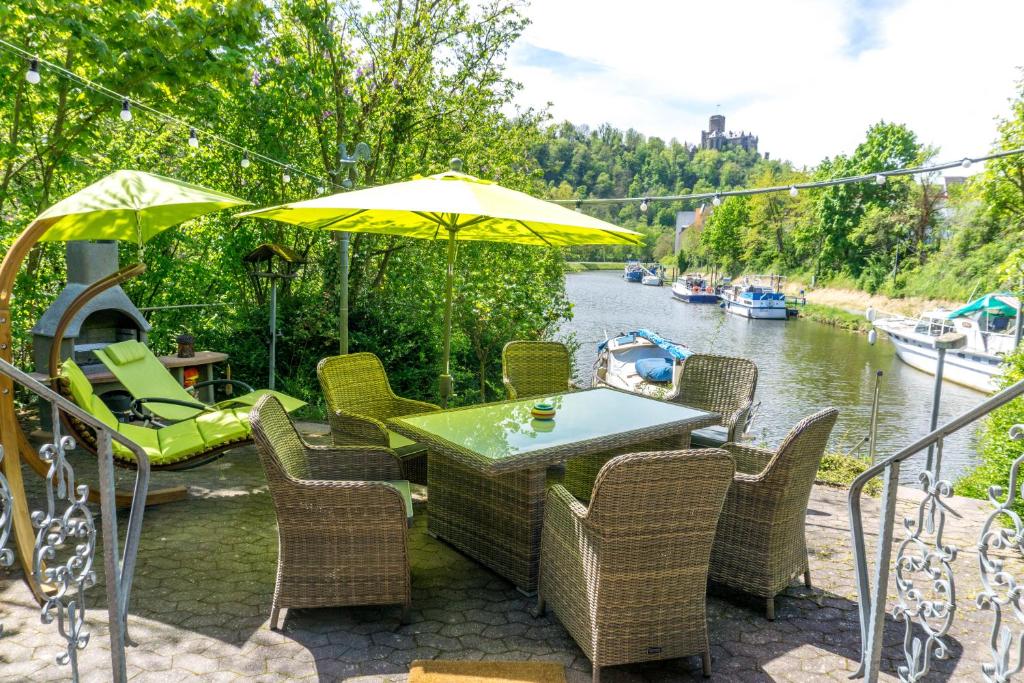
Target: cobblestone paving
{"x": 201, "y": 601}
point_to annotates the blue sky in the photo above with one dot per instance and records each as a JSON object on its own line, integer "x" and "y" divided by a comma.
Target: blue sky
{"x": 807, "y": 76}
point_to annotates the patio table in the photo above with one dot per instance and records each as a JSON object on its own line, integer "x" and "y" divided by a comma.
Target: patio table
{"x": 487, "y": 464}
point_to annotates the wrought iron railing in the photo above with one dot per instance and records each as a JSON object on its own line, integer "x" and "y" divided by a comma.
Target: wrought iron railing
{"x": 924, "y": 566}
{"x": 65, "y": 545}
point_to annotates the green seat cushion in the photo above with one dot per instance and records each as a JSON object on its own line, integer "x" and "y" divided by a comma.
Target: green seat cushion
{"x": 221, "y": 426}
{"x": 398, "y": 442}
{"x": 145, "y": 438}
{"x": 289, "y": 403}
{"x": 126, "y": 352}
{"x": 78, "y": 383}
{"x": 709, "y": 437}
{"x": 403, "y": 488}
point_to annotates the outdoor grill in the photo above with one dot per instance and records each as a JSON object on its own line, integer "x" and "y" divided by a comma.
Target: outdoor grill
{"x": 107, "y": 318}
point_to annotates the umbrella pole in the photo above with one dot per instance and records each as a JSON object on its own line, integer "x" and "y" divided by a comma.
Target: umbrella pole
{"x": 445, "y": 381}
{"x": 343, "y": 287}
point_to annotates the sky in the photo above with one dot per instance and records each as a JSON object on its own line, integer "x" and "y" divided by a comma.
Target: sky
{"x": 807, "y": 76}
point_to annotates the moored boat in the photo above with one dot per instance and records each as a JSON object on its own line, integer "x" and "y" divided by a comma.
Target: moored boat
{"x": 652, "y": 280}
{"x": 642, "y": 362}
{"x": 755, "y": 299}
{"x": 633, "y": 271}
{"x": 988, "y": 325}
{"x": 694, "y": 288}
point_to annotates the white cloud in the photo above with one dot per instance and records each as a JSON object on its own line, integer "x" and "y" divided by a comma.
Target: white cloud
{"x": 807, "y": 76}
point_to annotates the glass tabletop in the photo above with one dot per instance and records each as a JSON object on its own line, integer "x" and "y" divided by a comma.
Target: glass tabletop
{"x": 502, "y": 430}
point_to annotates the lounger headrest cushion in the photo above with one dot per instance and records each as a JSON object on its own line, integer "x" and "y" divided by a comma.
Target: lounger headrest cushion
{"x": 126, "y": 352}
{"x": 81, "y": 388}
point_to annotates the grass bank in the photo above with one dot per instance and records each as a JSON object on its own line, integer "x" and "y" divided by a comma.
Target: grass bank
{"x": 581, "y": 266}
{"x": 836, "y": 317}
{"x": 839, "y": 469}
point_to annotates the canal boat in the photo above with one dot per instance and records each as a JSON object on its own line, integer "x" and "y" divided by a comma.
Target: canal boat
{"x": 633, "y": 272}
{"x": 753, "y": 298}
{"x": 642, "y": 362}
{"x": 988, "y": 323}
{"x": 694, "y": 288}
{"x": 652, "y": 279}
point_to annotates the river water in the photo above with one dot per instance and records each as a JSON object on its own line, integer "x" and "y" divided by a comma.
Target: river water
{"x": 803, "y": 366}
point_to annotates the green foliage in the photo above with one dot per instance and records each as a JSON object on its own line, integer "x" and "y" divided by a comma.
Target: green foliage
{"x": 840, "y": 469}
{"x": 994, "y": 445}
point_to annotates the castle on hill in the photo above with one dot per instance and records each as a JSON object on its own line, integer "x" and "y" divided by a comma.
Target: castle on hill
{"x": 716, "y": 137}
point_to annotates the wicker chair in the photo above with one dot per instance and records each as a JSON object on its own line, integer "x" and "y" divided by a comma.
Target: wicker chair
{"x": 535, "y": 368}
{"x": 341, "y": 527}
{"x": 359, "y": 400}
{"x": 627, "y": 576}
{"x": 719, "y": 384}
{"x": 760, "y": 544}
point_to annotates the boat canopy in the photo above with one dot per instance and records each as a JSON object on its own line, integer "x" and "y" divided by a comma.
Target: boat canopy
{"x": 677, "y": 351}
{"x": 996, "y": 303}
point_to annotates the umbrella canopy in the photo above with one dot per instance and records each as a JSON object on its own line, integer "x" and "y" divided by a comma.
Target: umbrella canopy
{"x": 454, "y": 206}
{"x": 996, "y": 303}
{"x": 130, "y": 205}
{"x": 426, "y": 207}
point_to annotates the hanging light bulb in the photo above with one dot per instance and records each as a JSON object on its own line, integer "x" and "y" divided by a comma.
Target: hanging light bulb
{"x": 245, "y": 159}
{"x": 320, "y": 189}
{"x": 879, "y": 179}
{"x": 32, "y": 75}
{"x": 126, "y": 110}
{"x": 717, "y": 201}
{"x": 193, "y": 138}
{"x": 966, "y": 163}
{"x": 285, "y": 177}
{"x": 643, "y": 206}
{"x": 346, "y": 183}
{"x": 793, "y": 191}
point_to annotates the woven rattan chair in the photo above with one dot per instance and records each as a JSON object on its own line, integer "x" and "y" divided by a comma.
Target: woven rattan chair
{"x": 718, "y": 384}
{"x": 359, "y": 400}
{"x": 627, "y": 576}
{"x": 535, "y": 368}
{"x": 341, "y": 526}
{"x": 760, "y": 544}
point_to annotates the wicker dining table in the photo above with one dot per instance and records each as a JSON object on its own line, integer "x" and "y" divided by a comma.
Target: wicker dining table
{"x": 487, "y": 464}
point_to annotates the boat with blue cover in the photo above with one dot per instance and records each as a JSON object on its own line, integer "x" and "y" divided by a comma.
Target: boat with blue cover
{"x": 633, "y": 272}
{"x": 642, "y": 362}
{"x": 754, "y": 298}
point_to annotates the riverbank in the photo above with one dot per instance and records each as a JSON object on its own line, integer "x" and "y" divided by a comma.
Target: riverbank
{"x": 583, "y": 266}
{"x": 836, "y": 317}
{"x": 857, "y": 302}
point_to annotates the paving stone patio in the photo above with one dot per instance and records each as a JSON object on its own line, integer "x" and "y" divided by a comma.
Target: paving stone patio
{"x": 201, "y": 601}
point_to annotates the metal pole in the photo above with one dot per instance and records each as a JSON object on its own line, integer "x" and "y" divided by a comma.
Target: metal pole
{"x": 343, "y": 288}
{"x": 873, "y": 429}
{"x": 446, "y": 378}
{"x": 273, "y": 330}
{"x": 116, "y": 616}
{"x": 1020, "y": 316}
{"x": 936, "y": 395}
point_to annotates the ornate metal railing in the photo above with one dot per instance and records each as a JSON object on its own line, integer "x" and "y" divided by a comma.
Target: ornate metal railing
{"x": 65, "y": 544}
{"x": 925, "y": 577}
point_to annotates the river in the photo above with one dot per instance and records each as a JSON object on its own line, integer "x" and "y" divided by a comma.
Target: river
{"x": 803, "y": 366}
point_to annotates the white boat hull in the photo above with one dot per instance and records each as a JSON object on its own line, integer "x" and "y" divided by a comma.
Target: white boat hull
{"x": 755, "y": 312}
{"x": 965, "y": 367}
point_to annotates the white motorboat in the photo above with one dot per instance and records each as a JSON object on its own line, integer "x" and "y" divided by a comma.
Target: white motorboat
{"x": 694, "y": 288}
{"x": 642, "y": 362}
{"x": 754, "y": 299}
{"x": 988, "y": 324}
{"x": 652, "y": 280}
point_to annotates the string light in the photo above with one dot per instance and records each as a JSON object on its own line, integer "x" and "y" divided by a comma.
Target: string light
{"x": 879, "y": 179}
{"x": 717, "y": 201}
{"x": 793, "y": 191}
{"x": 966, "y": 163}
{"x": 320, "y": 189}
{"x": 32, "y": 75}
{"x": 285, "y": 177}
{"x": 126, "y": 110}
{"x": 346, "y": 183}
{"x": 643, "y": 206}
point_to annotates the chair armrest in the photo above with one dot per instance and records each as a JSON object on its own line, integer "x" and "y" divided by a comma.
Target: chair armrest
{"x": 509, "y": 388}
{"x": 357, "y": 498}
{"x": 751, "y": 462}
{"x": 408, "y": 406}
{"x": 353, "y": 463}
{"x": 563, "y": 512}
{"x": 736, "y": 419}
{"x": 349, "y": 429}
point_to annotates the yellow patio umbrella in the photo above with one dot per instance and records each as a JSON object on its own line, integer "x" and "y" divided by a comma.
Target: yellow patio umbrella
{"x": 455, "y": 206}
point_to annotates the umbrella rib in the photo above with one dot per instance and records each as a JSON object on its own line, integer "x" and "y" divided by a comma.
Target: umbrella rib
{"x": 336, "y": 221}
{"x": 624, "y": 238}
{"x": 538, "y": 235}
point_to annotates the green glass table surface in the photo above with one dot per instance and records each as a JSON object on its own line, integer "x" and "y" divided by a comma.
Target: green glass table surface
{"x": 498, "y": 431}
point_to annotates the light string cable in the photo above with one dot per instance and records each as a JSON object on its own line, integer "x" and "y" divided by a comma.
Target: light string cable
{"x": 878, "y": 177}
{"x": 35, "y": 62}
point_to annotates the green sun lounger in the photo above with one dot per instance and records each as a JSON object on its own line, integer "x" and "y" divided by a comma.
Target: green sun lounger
{"x": 176, "y": 446}
{"x": 146, "y": 379}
